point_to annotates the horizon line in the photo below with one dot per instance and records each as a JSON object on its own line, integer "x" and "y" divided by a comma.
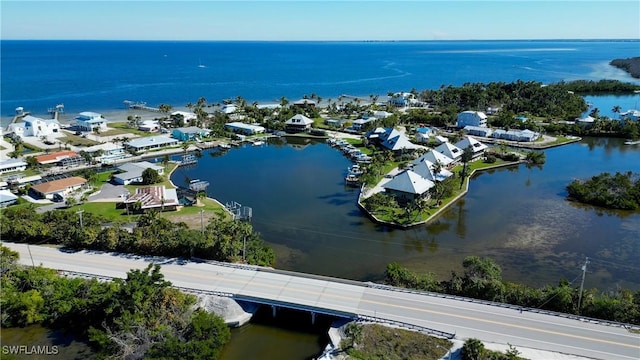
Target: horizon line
{"x": 328, "y": 40}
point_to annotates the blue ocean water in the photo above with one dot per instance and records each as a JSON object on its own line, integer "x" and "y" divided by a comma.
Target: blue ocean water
{"x": 100, "y": 75}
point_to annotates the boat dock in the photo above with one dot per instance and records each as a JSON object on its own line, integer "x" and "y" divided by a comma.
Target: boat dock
{"x": 140, "y": 105}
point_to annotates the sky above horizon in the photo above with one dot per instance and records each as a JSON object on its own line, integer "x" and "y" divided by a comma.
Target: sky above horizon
{"x": 319, "y": 20}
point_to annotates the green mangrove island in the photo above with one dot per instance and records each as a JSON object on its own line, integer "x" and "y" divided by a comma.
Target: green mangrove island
{"x": 618, "y": 191}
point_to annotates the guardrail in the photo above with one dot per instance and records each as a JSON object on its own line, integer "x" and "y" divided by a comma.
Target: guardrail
{"x": 422, "y": 329}
{"x": 505, "y": 305}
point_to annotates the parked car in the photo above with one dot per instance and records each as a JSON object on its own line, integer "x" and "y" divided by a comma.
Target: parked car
{"x": 58, "y": 198}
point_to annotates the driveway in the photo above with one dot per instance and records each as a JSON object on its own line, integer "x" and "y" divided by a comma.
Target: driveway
{"x": 110, "y": 193}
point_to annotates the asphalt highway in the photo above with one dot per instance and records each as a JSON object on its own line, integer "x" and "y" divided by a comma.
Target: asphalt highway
{"x": 464, "y": 318}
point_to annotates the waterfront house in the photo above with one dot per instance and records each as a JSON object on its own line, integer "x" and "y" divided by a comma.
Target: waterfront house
{"x": 472, "y": 118}
{"x": 12, "y": 165}
{"x": 434, "y": 157}
{"x": 336, "y": 123}
{"x": 478, "y": 131}
{"x": 246, "y": 129}
{"x": 516, "y": 135}
{"x": 108, "y": 152}
{"x": 391, "y": 139}
{"x": 132, "y": 172}
{"x": 62, "y": 158}
{"x": 451, "y": 151}
{"x": 476, "y": 146}
{"x": 33, "y": 126}
{"x": 426, "y": 169}
{"x": 189, "y": 133}
{"x": 186, "y": 115}
{"x": 228, "y": 108}
{"x": 152, "y": 198}
{"x": 149, "y": 126}
{"x": 62, "y": 187}
{"x": 148, "y": 143}
{"x": 401, "y": 99}
{"x": 87, "y": 121}
{"x": 304, "y": 103}
{"x": 408, "y": 186}
{"x": 298, "y": 123}
{"x": 359, "y": 124}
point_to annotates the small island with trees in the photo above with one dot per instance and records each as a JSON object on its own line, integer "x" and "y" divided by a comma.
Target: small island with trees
{"x": 620, "y": 191}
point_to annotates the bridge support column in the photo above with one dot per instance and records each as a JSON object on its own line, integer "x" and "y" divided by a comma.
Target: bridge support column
{"x": 313, "y": 318}
{"x": 273, "y": 310}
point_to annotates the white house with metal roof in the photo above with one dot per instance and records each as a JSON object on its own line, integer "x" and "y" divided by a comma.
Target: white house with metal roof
{"x": 478, "y": 130}
{"x": 88, "y": 120}
{"x": 152, "y": 142}
{"x": 451, "y": 151}
{"x": 408, "y": 186}
{"x": 434, "y": 157}
{"x": 392, "y": 139}
{"x": 475, "y": 145}
{"x": 12, "y": 165}
{"x": 427, "y": 170}
{"x": 247, "y": 129}
{"x": 34, "y": 126}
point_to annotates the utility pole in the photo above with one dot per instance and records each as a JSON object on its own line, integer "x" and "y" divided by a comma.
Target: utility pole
{"x": 202, "y": 221}
{"x": 79, "y": 212}
{"x": 584, "y": 272}
{"x": 244, "y": 249}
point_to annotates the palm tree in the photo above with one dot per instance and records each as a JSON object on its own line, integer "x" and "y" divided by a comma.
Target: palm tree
{"x": 283, "y": 102}
{"x": 467, "y": 155}
{"x": 616, "y": 109}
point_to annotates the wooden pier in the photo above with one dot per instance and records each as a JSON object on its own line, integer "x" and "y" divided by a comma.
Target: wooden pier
{"x": 140, "y": 105}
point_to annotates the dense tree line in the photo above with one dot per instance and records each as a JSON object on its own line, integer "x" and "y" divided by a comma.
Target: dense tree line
{"x": 141, "y": 316}
{"x": 482, "y": 279}
{"x": 600, "y": 87}
{"x": 532, "y": 97}
{"x": 222, "y": 240}
{"x": 619, "y": 191}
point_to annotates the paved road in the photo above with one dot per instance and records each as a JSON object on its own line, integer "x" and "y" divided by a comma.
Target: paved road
{"x": 464, "y": 318}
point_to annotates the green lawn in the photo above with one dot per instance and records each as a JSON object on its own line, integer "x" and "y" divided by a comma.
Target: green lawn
{"x": 106, "y": 209}
{"x": 124, "y": 127}
{"x": 167, "y": 175}
{"x": 76, "y": 140}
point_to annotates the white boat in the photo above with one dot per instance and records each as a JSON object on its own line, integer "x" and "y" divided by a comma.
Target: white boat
{"x": 351, "y": 179}
{"x": 355, "y": 170}
{"x": 632, "y": 142}
{"x": 258, "y": 143}
{"x": 224, "y": 146}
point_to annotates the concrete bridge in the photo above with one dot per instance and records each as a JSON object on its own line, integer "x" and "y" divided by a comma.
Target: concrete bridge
{"x": 438, "y": 314}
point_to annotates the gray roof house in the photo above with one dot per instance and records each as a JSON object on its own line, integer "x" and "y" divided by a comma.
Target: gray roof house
{"x": 450, "y": 150}
{"x": 433, "y": 157}
{"x": 298, "y": 123}
{"x": 132, "y": 172}
{"x": 408, "y": 186}
{"x": 475, "y": 145}
{"x": 152, "y": 142}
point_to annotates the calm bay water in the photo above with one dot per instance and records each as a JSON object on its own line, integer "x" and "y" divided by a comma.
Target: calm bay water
{"x": 518, "y": 216}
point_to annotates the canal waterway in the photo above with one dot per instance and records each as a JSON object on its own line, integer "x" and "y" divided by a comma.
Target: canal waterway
{"x": 518, "y": 216}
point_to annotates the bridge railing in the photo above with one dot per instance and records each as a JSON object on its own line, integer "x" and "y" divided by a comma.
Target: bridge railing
{"x": 505, "y": 305}
{"x": 400, "y": 324}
